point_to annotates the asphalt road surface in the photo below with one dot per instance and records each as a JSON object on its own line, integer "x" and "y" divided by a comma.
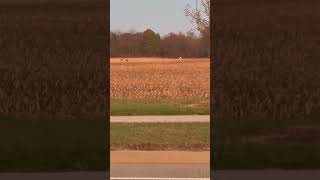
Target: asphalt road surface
{"x": 267, "y": 175}
{"x": 55, "y": 176}
{"x": 161, "y": 119}
{"x": 219, "y": 175}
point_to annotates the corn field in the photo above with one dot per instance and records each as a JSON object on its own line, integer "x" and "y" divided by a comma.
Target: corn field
{"x": 156, "y": 78}
{"x": 53, "y": 59}
{"x": 266, "y": 66}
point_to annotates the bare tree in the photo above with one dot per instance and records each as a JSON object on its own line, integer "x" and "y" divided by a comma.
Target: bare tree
{"x": 199, "y": 16}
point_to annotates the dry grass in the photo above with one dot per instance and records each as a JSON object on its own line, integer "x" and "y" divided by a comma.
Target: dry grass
{"x": 160, "y": 78}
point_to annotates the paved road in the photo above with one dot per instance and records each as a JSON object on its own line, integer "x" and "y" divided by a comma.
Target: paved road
{"x": 160, "y": 171}
{"x": 267, "y": 175}
{"x": 219, "y": 175}
{"x": 55, "y": 176}
{"x": 161, "y": 119}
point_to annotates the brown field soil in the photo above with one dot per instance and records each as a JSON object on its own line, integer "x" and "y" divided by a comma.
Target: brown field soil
{"x": 160, "y": 78}
{"x": 156, "y": 59}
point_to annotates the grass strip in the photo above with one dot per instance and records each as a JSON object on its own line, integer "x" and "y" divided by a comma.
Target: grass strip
{"x": 35, "y": 145}
{"x": 123, "y": 107}
{"x": 160, "y": 136}
{"x": 260, "y": 144}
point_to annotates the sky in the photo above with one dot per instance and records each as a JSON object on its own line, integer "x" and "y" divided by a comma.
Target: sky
{"x": 162, "y": 16}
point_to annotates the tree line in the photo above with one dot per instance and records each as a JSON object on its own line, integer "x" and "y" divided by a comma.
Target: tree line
{"x": 150, "y": 44}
